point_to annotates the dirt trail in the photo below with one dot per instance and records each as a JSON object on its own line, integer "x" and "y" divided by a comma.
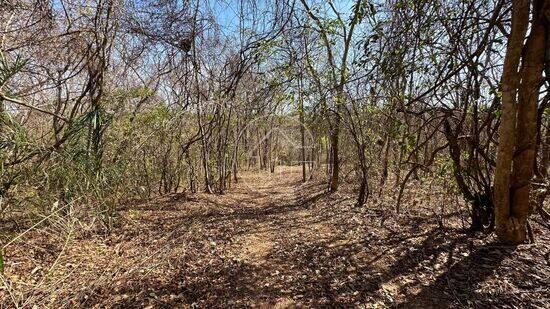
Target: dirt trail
{"x": 278, "y": 215}
{"x": 209, "y": 234}
{"x": 272, "y": 241}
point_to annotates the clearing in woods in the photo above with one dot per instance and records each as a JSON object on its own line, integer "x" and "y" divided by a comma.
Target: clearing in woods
{"x": 272, "y": 241}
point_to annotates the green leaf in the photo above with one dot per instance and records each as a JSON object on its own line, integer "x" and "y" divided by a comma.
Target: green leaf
{"x": 1, "y": 262}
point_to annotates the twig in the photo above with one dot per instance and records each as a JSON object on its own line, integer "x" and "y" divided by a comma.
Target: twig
{"x": 19, "y": 102}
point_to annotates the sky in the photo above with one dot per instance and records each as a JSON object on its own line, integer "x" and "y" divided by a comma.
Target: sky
{"x": 227, "y": 11}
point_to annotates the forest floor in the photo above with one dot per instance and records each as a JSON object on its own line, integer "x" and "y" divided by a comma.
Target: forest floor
{"x": 272, "y": 241}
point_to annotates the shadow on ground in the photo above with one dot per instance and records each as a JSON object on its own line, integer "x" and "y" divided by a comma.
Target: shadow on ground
{"x": 315, "y": 250}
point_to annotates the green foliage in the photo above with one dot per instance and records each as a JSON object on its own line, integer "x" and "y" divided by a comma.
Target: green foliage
{"x": 364, "y": 10}
{"x": 7, "y": 70}
{"x": 1, "y": 261}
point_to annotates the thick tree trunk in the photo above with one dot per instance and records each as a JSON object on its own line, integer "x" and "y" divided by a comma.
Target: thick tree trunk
{"x": 516, "y": 149}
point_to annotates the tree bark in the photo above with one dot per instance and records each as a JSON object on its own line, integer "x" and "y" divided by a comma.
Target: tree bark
{"x": 334, "y": 176}
{"x": 516, "y": 149}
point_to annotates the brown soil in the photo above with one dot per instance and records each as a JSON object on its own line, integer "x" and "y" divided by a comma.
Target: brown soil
{"x": 275, "y": 242}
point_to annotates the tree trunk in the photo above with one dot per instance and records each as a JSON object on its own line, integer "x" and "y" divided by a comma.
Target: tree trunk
{"x": 204, "y": 150}
{"x": 516, "y": 149}
{"x": 385, "y": 162}
{"x": 334, "y": 176}
{"x": 364, "y": 191}
{"x": 303, "y": 140}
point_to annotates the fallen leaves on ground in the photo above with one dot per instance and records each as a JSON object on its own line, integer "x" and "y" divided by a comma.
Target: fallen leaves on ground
{"x": 276, "y": 243}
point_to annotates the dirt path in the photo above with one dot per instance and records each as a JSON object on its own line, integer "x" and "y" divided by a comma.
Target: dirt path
{"x": 223, "y": 245}
{"x": 271, "y": 242}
